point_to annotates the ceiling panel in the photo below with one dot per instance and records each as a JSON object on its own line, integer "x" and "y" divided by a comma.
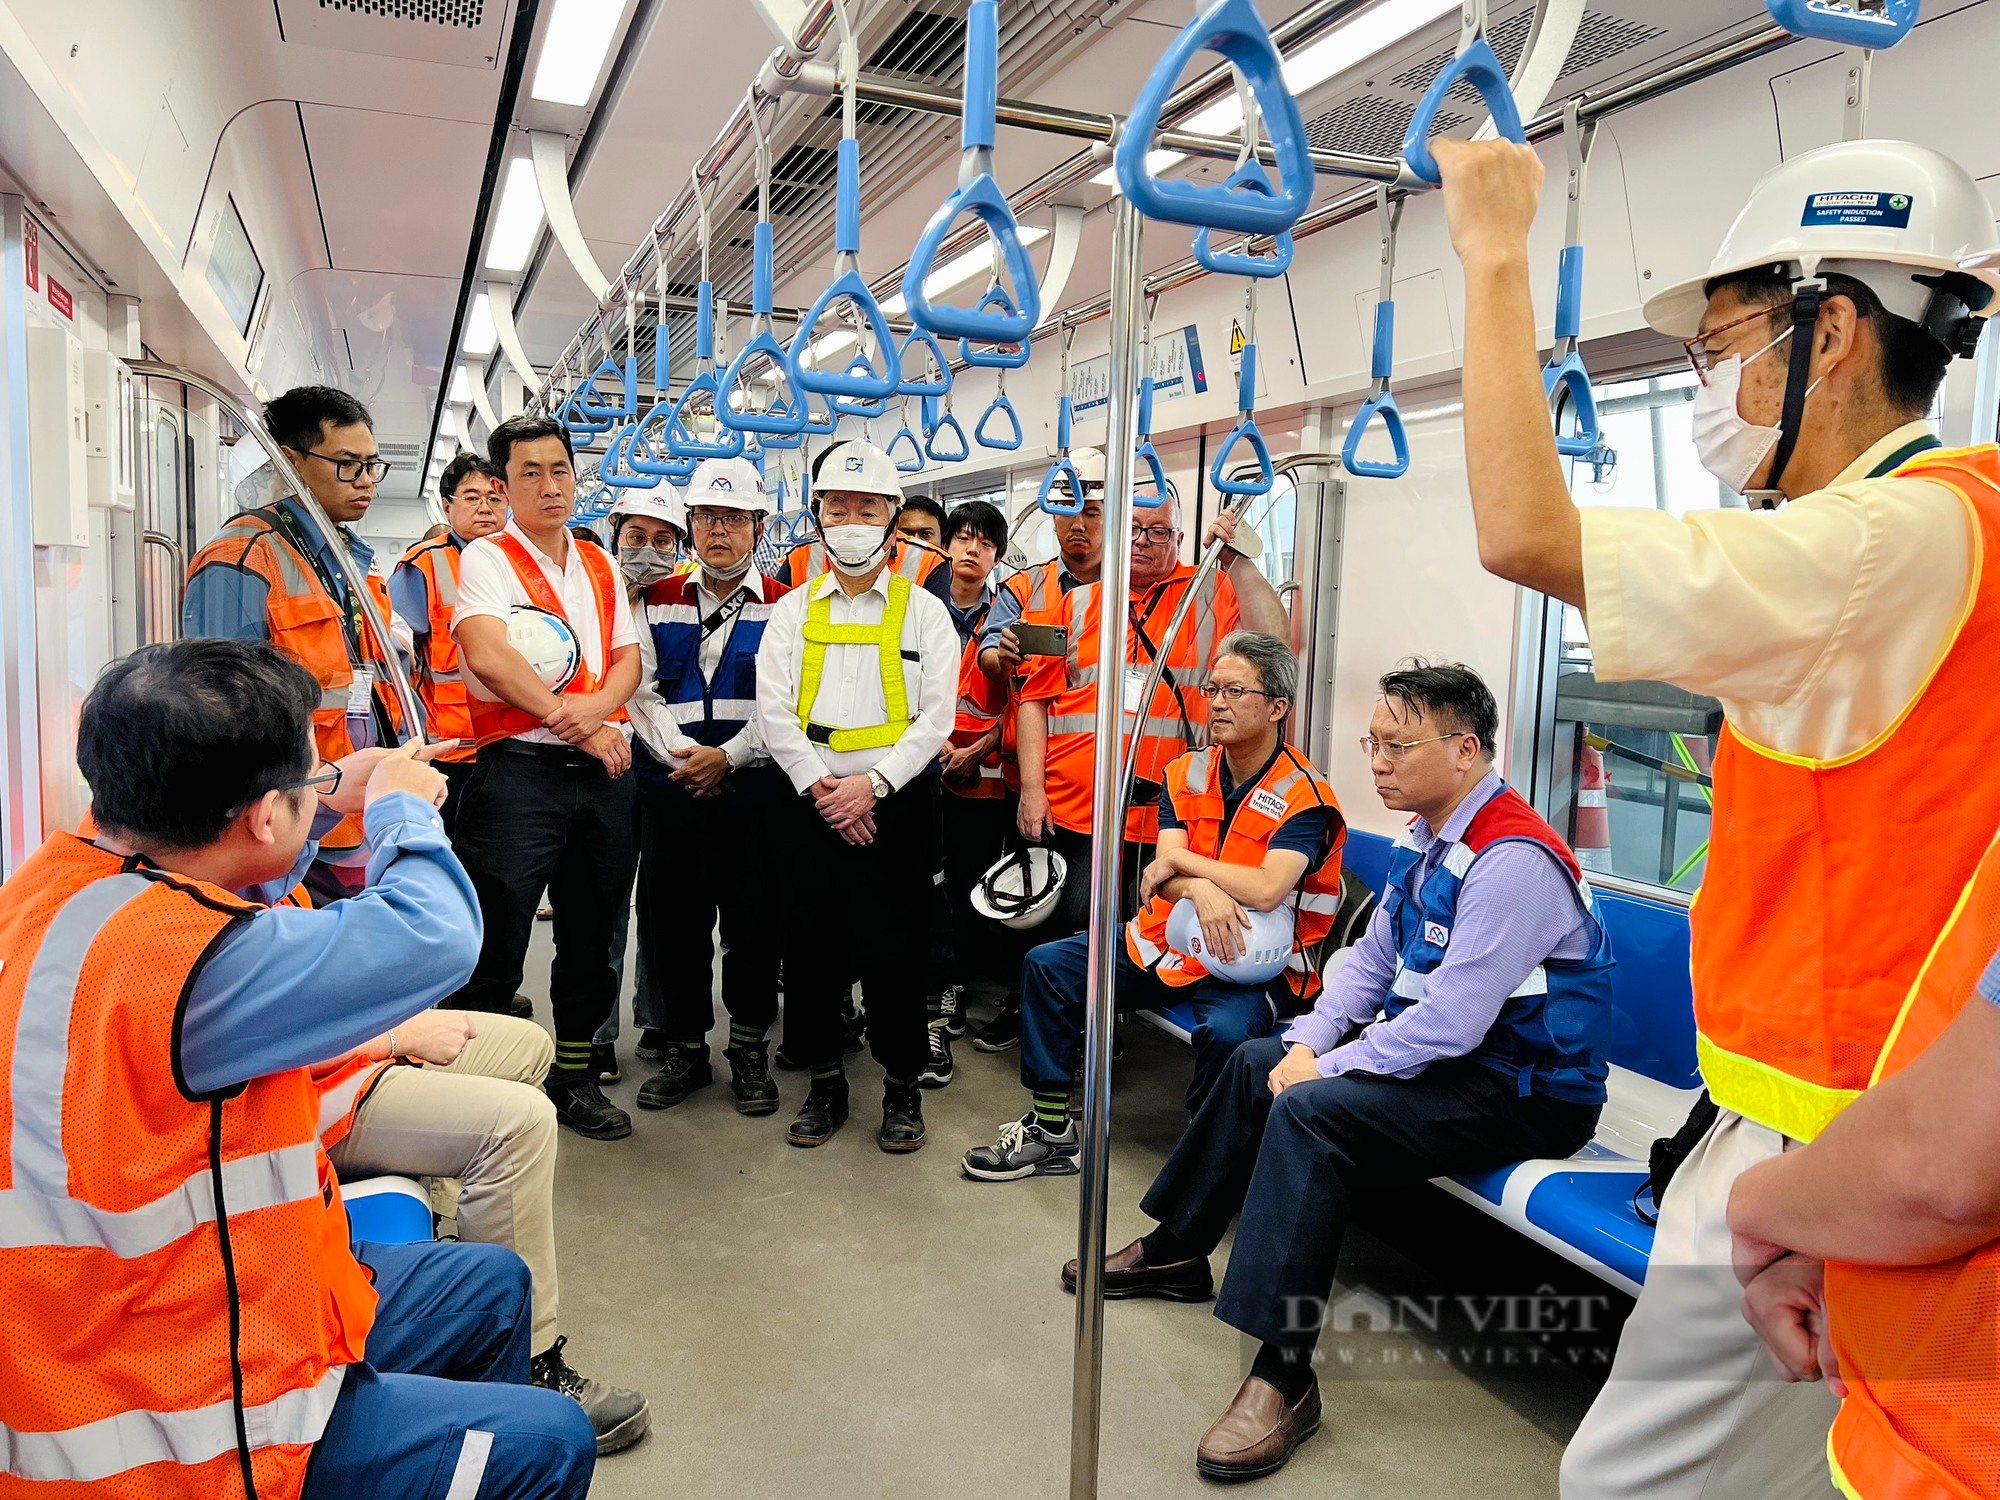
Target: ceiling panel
{"x": 398, "y": 192}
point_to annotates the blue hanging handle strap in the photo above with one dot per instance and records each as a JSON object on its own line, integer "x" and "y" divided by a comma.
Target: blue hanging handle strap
{"x": 1478, "y": 65}
{"x": 618, "y": 476}
{"x": 591, "y": 402}
{"x": 1146, "y": 456}
{"x": 785, "y": 415}
{"x": 863, "y": 378}
{"x": 869, "y": 410}
{"x": 1846, "y": 23}
{"x": 1381, "y": 403}
{"x": 1245, "y": 431}
{"x": 1008, "y": 441}
{"x": 1565, "y": 381}
{"x": 1062, "y": 470}
{"x": 1232, "y": 29}
{"x": 641, "y": 457}
{"x": 939, "y": 424}
{"x": 989, "y": 356}
{"x": 913, "y": 462}
{"x": 579, "y": 424}
{"x": 1249, "y": 176}
{"x": 977, "y": 194}
{"x": 924, "y": 342}
{"x": 680, "y": 438}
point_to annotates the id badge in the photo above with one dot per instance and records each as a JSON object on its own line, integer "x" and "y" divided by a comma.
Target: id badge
{"x": 1135, "y": 689}
{"x": 361, "y": 693}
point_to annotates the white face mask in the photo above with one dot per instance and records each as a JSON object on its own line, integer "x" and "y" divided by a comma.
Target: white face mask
{"x": 855, "y": 549}
{"x": 1729, "y": 446}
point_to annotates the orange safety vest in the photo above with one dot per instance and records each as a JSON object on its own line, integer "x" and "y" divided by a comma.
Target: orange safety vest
{"x": 1173, "y": 723}
{"x": 1918, "y": 1344}
{"x": 1039, "y": 588}
{"x": 306, "y": 623}
{"x": 495, "y": 720}
{"x": 440, "y": 679}
{"x": 982, "y": 703}
{"x": 1288, "y": 787}
{"x": 1801, "y": 958}
{"x": 158, "y": 1249}
{"x": 908, "y": 558}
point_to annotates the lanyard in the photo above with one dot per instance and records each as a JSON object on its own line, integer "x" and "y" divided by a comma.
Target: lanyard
{"x": 1904, "y": 454}
{"x": 725, "y": 613}
{"x": 336, "y": 587}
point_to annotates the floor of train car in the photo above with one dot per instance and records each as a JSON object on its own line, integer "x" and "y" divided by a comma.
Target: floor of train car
{"x": 846, "y": 1323}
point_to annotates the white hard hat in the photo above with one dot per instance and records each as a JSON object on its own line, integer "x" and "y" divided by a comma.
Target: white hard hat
{"x": 1089, "y": 465}
{"x": 1884, "y": 213}
{"x": 662, "y": 504}
{"x": 548, "y": 644}
{"x": 732, "y": 482}
{"x": 860, "y": 467}
{"x": 1022, "y": 889}
{"x": 1267, "y": 943}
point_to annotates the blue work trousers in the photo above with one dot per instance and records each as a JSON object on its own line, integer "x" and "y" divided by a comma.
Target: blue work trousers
{"x": 1052, "y": 986}
{"x": 442, "y": 1405}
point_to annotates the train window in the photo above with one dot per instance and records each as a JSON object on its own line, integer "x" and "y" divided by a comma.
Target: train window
{"x": 1622, "y": 768}
{"x": 235, "y": 274}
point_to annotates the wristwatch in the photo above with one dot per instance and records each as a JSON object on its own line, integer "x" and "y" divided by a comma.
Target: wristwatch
{"x": 881, "y": 784}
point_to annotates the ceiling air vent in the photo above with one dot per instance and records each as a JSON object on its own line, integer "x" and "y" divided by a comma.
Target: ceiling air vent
{"x": 801, "y": 179}
{"x": 462, "y": 33}
{"x": 470, "y": 13}
{"x": 925, "y": 47}
{"x": 1599, "y": 39}
{"x": 1370, "y": 126}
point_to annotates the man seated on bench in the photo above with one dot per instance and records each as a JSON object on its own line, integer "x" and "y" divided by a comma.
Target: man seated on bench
{"x": 1466, "y": 1031}
{"x": 1246, "y": 824}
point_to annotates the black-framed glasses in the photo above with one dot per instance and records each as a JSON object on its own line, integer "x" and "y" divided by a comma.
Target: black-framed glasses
{"x": 1160, "y": 534}
{"x": 325, "y": 781}
{"x": 1231, "y": 692}
{"x": 350, "y": 470}
{"x": 723, "y": 518}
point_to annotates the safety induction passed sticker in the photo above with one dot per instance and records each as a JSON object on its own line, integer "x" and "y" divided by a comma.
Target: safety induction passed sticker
{"x": 1135, "y": 689}
{"x": 1868, "y": 210}
{"x": 361, "y": 692}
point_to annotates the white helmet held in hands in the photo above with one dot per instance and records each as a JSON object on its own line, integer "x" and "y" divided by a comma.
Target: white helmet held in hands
{"x": 547, "y": 643}
{"x": 1267, "y": 943}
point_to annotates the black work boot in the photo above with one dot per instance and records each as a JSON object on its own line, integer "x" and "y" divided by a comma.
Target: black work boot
{"x": 619, "y": 1417}
{"x": 685, "y": 1070}
{"x": 750, "y": 1080}
{"x": 902, "y": 1117}
{"x": 824, "y": 1112}
{"x": 581, "y": 1105}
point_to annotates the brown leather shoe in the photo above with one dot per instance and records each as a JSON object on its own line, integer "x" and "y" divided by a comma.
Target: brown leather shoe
{"x": 1126, "y": 1274}
{"x": 1257, "y": 1434}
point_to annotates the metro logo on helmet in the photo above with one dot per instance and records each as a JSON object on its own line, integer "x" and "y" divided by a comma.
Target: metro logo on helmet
{"x": 853, "y": 463}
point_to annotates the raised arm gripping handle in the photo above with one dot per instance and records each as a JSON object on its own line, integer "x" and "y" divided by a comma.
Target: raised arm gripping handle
{"x": 1844, "y": 23}
{"x": 921, "y": 337}
{"x": 1010, "y": 440}
{"x": 1478, "y": 65}
{"x": 1232, "y": 29}
{"x": 1251, "y": 176}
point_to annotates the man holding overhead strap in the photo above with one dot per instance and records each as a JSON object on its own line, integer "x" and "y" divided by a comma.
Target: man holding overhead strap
{"x": 550, "y": 805}
{"x": 1850, "y": 636}
{"x": 1058, "y": 706}
{"x": 857, "y": 679}
{"x": 268, "y": 575}
{"x": 424, "y": 590}
{"x": 907, "y": 557}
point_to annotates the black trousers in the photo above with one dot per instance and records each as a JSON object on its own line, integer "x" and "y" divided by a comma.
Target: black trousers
{"x": 1072, "y": 913}
{"x": 975, "y": 831}
{"x": 1294, "y": 1166}
{"x": 547, "y": 816}
{"x": 848, "y": 913}
{"x": 457, "y": 775}
{"x": 701, "y": 858}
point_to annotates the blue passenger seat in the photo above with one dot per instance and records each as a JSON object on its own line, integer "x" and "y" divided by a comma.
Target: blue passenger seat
{"x": 1582, "y": 1208}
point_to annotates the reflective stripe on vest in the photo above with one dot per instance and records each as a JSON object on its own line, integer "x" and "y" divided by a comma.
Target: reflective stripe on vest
{"x": 1800, "y": 966}
{"x": 819, "y": 632}
{"x": 340, "y": 1095}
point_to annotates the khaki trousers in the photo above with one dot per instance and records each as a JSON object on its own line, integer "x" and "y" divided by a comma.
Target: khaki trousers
{"x": 1694, "y": 1409}
{"x": 485, "y": 1121}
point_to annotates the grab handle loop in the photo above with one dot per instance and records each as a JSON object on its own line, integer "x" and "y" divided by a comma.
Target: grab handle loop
{"x": 786, "y": 413}
{"x": 590, "y": 401}
{"x": 640, "y": 455}
{"x": 1381, "y": 402}
{"x": 1245, "y": 431}
{"x": 1250, "y": 175}
{"x": 1005, "y": 442}
{"x": 924, "y": 342}
{"x": 940, "y": 424}
{"x": 842, "y": 406}
{"x": 1478, "y": 65}
{"x": 1146, "y": 456}
{"x": 914, "y": 463}
{"x": 1002, "y": 356}
{"x": 1062, "y": 471}
{"x": 1846, "y": 23}
{"x": 1232, "y": 29}
{"x": 1565, "y": 381}
{"x": 979, "y": 195}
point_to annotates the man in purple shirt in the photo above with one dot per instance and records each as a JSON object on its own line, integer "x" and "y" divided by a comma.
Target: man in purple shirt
{"x": 1466, "y": 1031}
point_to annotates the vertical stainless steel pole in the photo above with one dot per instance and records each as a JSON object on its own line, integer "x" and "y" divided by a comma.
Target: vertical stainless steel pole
{"x": 1107, "y": 833}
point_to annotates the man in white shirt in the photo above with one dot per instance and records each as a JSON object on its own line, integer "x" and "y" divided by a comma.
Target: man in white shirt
{"x": 857, "y": 691}
{"x": 1849, "y": 631}
{"x": 549, "y": 805}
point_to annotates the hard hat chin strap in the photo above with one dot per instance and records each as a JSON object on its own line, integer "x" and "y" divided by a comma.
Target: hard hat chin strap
{"x": 1798, "y": 380}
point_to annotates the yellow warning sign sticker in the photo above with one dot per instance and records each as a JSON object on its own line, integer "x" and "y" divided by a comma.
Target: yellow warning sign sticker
{"x": 1236, "y": 339}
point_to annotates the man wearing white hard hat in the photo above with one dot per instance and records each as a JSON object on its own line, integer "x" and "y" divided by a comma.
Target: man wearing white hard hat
{"x": 1467, "y": 1030}
{"x": 857, "y": 692}
{"x": 1849, "y": 636}
{"x": 551, "y": 804}
{"x": 708, "y": 797}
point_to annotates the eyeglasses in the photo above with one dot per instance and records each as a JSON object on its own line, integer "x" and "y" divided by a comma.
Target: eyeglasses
{"x": 350, "y": 470}
{"x": 481, "y": 502}
{"x": 325, "y": 781}
{"x": 719, "y": 520}
{"x": 1231, "y": 693}
{"x": 1701, "y": 351}
{"x": 1160, "y": 534}
{"x": 1395, "y": 750}
{"x": 666, "y": 546}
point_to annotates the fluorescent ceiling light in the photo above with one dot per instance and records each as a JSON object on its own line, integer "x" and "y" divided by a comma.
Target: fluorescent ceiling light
{"x": 1348, "y": 45}
{"x": 960, "y": 269}
{"x": 481, "y": 337}
{"x": 516, "y": 221}
{"x": 461, "y": 386}
{"x": 574, "y": 47}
